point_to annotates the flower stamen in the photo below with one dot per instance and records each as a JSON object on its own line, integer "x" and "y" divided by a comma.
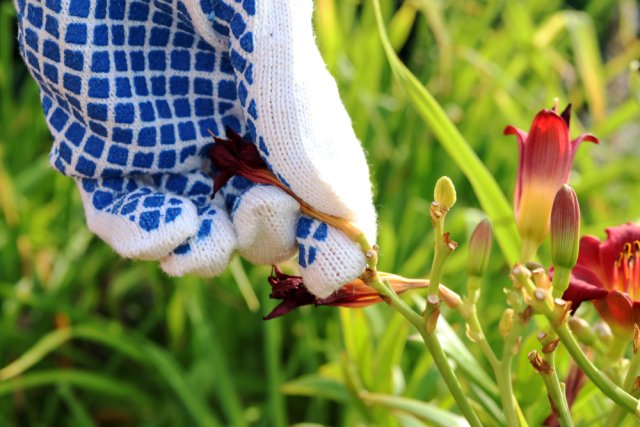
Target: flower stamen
{"x": 626, "y": 269}
{"x": 636, "y": 269}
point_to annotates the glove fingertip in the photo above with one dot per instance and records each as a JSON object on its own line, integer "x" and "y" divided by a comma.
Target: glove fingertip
{"x": 328, "y": 259}
{"x": 208, "y": 252}
{"x": 265, "y": 220}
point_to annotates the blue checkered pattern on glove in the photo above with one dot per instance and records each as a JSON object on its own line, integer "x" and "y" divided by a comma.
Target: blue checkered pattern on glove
{"x": 131, "y": 90}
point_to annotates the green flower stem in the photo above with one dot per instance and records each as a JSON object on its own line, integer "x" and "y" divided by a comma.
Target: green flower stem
{"x": 556, "y": 312}
{"x": 441, "y": 253}
{"x": 545, "y": 305}
{"x": 503, "y": 375}
{"x": 443, "y": 247}
{"x": 528, "y": 250}
{"x": 615, "y": 393}
{"x": 434, "y": 347}
{"x": 431, "y": 341}
{"x": 501, "y": 370}
{"x": 556, "y": 390}
{"x": 618, "y": 414}
{"x": 561, "y": 276}
{"x": 479, "y": 338}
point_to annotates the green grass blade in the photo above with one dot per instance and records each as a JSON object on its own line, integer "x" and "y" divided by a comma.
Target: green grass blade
{"x": 207, "y": 338}
{"x": 85, "y": 380}
{"x": 244, "y": 284}
{"x": 584, "y": 42}
{"x": 78, "y": 412}
{"x": 44, "y": 346}
{"x": 466, "y": 363}
{"x": 317, "y": 386}
{"x": 422, "y": 410}
{"x": 138, "y": 348}
{"x": 272, "y": 331}
{"x": 491, "y": 198}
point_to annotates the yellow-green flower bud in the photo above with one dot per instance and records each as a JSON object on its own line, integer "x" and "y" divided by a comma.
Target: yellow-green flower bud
{"x": 582, "y": 330}
{"x": 480, "y": 249}
{"x": 603, "y": 332}
{"x": 506, "y": 322}
{"x": 445, "y": 193}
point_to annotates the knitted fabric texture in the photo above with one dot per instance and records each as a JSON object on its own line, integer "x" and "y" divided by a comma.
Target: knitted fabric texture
{"x": 131, "y": 89}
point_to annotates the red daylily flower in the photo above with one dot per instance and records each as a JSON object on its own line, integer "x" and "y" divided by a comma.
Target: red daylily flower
{"x": 608, "y": 273}
{"x": 545, "y": 159}
{"x": 356, "y": 294}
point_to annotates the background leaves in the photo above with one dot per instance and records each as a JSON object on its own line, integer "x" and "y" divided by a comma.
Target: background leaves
{"x": 87, "y": 338}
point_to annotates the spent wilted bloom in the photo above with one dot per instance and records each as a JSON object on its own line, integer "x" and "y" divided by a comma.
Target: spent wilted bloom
{"x": 238, "y": 156}
{"x": 546, "y": 156}
{"x": 608, "y": 274}
{"x": 356, "y": 294}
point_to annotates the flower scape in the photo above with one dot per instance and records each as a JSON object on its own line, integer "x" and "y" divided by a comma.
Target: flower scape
{"x": 606, "y": 273}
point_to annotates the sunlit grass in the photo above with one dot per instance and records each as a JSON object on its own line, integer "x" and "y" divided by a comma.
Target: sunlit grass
{"x": 148, "y": 350}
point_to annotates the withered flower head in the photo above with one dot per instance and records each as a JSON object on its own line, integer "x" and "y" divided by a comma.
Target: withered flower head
{"x": 237, "y": 156}
{"x": 356, "y": 294}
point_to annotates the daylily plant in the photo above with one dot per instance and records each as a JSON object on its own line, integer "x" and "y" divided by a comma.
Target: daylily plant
{"x": 606, "y": 272}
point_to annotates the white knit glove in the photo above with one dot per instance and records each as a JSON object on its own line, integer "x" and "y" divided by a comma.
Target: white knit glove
{"x": 131, "y": 89}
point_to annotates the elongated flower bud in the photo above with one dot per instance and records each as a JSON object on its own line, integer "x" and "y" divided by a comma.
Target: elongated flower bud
{"x": 445, "y": 193}
{"x": 565, "y": 228}
{"x": 480, "y": 249}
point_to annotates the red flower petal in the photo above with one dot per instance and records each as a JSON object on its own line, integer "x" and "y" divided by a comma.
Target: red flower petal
{"x": 588, "y": 276}
{"x": 589, "y": 261}
{"x": 617, "y": 310}
{"x": 579, "y": 291}
{"x": 584, "y": 137}
{"x": 589, "y": 251}
{"x": 614, "y": 245}
{"x": 636, "y": 312}
{"x": 522, "y": 138}
{"x": 547, "y": 151}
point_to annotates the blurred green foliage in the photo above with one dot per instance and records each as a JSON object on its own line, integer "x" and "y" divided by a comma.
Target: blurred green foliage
{"x": 87, "y": 338}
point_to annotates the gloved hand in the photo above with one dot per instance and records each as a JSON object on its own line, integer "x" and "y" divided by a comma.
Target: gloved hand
{"x": 131, "y": 90}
